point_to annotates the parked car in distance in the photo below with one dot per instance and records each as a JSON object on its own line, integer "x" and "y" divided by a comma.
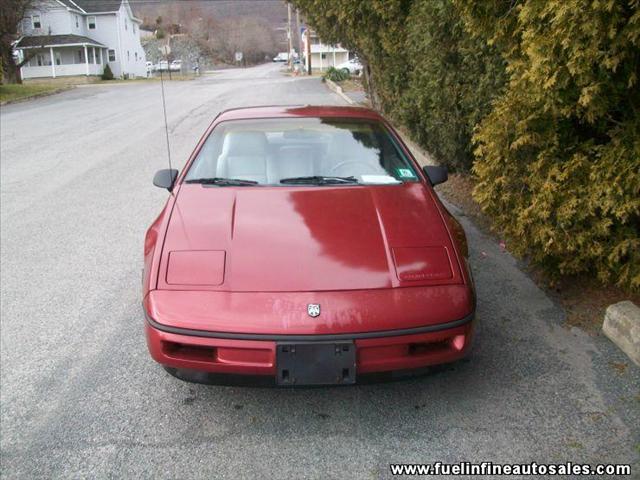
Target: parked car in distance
{"x": 176, "y": 66}
{"x": 353, "y": 66}
{"x": 281, "y": 57}
{"x": 304, "y": 246}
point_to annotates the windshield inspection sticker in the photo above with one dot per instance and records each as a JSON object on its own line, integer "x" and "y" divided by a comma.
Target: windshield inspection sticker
{"x": 405, "y": 173}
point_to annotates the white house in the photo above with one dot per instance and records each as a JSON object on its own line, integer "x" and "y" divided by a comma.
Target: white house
{"x": 322, "y": 55}
{"x": 79, "y": 37}
{"x": 147, "y": 33}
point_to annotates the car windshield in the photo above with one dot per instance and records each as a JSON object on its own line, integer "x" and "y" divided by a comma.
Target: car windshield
{"x": 301, "y": 151}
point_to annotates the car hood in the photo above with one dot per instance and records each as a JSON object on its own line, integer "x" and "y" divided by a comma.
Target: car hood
{"x": 269, "y": 239}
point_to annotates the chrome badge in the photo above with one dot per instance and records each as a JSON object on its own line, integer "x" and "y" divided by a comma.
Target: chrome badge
{"x": 313, "y": 309}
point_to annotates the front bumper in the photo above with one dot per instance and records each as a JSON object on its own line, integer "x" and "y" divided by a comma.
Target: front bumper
{"x": 210, "y": 357}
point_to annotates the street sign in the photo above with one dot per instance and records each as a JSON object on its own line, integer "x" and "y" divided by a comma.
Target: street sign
{"x": 238, "y": 56}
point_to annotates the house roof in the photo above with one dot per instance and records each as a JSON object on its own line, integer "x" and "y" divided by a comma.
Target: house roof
{"x": 93, "y": 6}
{"x": 322, "y": 48}
{"x": 39, "y": 41}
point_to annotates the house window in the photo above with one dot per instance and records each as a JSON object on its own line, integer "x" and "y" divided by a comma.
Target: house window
{"x": 324, "y": 55}
{"x": 128, "y": 56}
{"x": 40, "y": 60}
{"x": 136, "y": 56}
{"x": 77, "y": 22}
{"x": 112, "y": 55}
{"x": 80, "y": 56}
{"x": 134, "y": 28}
{"x": 58, "y": 58}
{"x": 126, "y": 24}
{"x": 35, "y": 21}
{"x": 91, "y": 22}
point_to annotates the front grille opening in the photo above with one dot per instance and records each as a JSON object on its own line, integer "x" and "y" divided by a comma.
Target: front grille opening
{"x": 418, "y": 349}
{"x": 197, "y": 353}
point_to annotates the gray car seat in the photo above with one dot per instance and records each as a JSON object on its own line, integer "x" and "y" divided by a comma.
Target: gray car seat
{"x": 291, "y": 161}
{"x": 345, "y": 149}
{"x": 244, "y": 155}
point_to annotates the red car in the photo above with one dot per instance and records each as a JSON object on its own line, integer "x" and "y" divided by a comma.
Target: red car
{"x": 304, "y": 246}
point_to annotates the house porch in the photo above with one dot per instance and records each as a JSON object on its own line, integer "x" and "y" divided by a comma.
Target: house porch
{"x": 65, "y": 61}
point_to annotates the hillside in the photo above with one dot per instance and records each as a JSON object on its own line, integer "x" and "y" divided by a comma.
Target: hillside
{"x": 274, "y": 12}
{"x": 211, "y": 32}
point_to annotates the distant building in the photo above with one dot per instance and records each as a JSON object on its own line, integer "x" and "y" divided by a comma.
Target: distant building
{"x": 322, "y": 55}
{"x": 80, "y": 37}
{"x": 147, "y": 33}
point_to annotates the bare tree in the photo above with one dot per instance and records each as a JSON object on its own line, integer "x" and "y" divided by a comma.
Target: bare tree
{"x": 12, "y": 13}
{"x": 200, "y": 24}
{"x": 218, "y": 29}
{"x": 249, "y": 35}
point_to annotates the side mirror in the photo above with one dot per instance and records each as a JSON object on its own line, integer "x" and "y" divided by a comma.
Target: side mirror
{"x": 436, "y": 175}
{"x": 165, "y": 178}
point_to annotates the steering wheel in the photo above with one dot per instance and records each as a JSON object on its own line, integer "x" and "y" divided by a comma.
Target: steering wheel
{"x": 350, "y": 162}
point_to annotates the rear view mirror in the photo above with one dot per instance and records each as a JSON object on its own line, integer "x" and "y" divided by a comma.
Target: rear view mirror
{"x": 165, "y": 178}
{"x": 436, "y": 175}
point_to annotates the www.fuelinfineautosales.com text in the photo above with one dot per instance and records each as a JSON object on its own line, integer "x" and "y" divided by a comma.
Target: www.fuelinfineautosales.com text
{"x": 496, "y": 469}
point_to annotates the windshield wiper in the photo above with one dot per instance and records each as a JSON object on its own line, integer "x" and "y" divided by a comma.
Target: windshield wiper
{"x": 319, "y": 180}
{"x": 223, "y": 182}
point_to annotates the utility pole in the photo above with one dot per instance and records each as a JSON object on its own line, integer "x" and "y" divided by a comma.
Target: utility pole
{"x": 308, "y": 33}
{"x": 298, "y": 33}
{"x": 289, "y": 34}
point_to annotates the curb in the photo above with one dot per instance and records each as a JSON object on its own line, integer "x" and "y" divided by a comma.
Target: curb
{"x": 338, "y": 89}
{"x": 422, "y": 156}
{"x": 622, "y": 326}
{"x": 115, "y": 84}
{"x": 38, "y": 95}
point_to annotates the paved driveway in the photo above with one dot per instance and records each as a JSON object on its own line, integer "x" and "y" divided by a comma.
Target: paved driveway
{"x": 80, "y": 396}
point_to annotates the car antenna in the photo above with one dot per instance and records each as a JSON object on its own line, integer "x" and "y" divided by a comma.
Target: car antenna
{"x": 166, "y": 125}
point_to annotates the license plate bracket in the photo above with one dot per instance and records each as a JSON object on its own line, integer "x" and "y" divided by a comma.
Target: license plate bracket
{"x": 316, "y": 363}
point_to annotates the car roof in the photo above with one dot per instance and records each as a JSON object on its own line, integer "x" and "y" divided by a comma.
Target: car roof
{"x": 293, "y": 111}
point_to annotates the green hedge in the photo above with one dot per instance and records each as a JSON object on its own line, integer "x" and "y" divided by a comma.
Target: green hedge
{"x": 539, "y": 99}
{"x": 422, "y": 67}
{"x": 452, "y": 80}
{"x": 337, "y": 75}
{"x": 107, "y": 74}
{"x": 558, "y": 158}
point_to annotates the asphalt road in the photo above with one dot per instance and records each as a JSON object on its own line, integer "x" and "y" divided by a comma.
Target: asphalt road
{"x": 80, "y": 396}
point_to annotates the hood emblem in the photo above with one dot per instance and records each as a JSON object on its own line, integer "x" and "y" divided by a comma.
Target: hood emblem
{"x": 313, "y": 309}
